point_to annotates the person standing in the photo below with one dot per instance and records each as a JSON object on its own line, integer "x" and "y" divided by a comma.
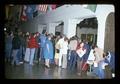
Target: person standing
{"x": 37, "y": 49}
{"x": 80, "y": 52}
{"x": 15, "y": 46}
{"x": 27, "y": 52}
{"x": 33, "y": 45}
{"x": 64, "y": 52}
{"x": 73, "y": 56}
{"x": 42, "y": 40}
{"x": 110, "y": 60}
{"x": 84, "y": 58}
{"x": 99, "y": 60}
{"x": 60, "y": 42}
{"x": 48, "y": 51}
{"x": 8, "y": 44}
{"x": 57, "y": 50}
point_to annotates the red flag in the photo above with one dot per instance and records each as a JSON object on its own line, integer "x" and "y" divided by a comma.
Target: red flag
{"x": 24, "y": 16}
{"x": 42, "y": 8}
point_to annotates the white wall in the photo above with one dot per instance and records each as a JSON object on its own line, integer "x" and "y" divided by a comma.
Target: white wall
{"x": 102, "y": 12}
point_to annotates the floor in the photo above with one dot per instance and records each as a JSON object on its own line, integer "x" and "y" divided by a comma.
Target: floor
{"x": 39, "y": 71}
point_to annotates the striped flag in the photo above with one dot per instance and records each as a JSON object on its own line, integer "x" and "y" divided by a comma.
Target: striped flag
{"x": 42, "y": 8}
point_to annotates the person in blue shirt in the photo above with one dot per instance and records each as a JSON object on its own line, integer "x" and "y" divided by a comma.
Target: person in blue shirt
{"x": 48, "y": 51}
{"x": 42, "y": 40}
{"x": 8, "y": 46}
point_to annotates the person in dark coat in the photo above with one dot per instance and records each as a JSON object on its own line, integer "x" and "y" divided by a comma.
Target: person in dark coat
{"x": 110, "y": 59}
{"x": 8, "y": 46}
{"x": 15, "y": 46}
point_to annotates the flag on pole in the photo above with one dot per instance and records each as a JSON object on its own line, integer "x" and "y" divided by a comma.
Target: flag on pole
{"x": 42, "y": 8}
{"x": 24, "y": 16}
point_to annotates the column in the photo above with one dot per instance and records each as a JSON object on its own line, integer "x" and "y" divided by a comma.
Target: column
{"x": 70, "y": 27}
{"x": 101, "y": 14}
{"x": 51, "y": 27}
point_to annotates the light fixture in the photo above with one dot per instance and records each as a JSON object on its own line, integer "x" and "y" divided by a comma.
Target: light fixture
{"x": 4, "y": 29}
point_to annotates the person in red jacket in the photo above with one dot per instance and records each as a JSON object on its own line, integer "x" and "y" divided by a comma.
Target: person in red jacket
{"x": 32, "y": 45}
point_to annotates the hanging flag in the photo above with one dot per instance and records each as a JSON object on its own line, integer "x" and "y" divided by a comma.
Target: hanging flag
{"x": 29, "y": 12}
{"x": 24, "y": 16}
{"x": 42, "y": 8}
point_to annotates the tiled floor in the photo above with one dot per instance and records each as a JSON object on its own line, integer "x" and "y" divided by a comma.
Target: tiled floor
{"x": 38, "y": 71}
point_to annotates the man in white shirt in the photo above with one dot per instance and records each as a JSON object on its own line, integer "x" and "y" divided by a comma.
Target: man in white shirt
{"x": 60, "y": 42}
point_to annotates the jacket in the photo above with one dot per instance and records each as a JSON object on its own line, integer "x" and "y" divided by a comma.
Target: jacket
{"x": 33, "y": 43}
{"x": 16, "y": 42}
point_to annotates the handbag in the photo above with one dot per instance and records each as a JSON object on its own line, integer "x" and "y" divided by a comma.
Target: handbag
{"x": 85, "y": 66}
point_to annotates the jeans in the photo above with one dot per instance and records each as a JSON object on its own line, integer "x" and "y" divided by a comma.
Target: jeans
{"x": 36, "y": 54}
{"x": 41, "y": 53}
{"x": 19, "y": 54}
{"x": 27, "y": 55}
{"x": 32, "y": 53}
{"x": 15, "y": 58}
{"x": 73, "y": 60}
{"x": 8, "y": 51}
{"x": 99, "y": 71}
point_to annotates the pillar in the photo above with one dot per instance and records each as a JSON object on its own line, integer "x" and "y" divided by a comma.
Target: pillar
{"x": 51, "y": 27}
{"x": 101, "y": 14}
{"x": 70, "y": 27}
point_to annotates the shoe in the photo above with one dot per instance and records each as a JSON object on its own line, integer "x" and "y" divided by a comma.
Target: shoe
{"x": 21, "y": 62}
{"x": 31, "y": 64}
{"x": 47, "y": 66}
{"x": 79, "y": 74}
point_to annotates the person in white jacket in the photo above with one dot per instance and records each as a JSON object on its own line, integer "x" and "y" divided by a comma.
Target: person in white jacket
{"x": 64, "y": 49}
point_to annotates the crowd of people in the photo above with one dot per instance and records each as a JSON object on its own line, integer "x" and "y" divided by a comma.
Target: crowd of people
{"x": 73, "y": 54}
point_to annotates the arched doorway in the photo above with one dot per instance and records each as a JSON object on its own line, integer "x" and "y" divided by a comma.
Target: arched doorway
{"x": 87, "y": 30}
{"x": 109, "y": 43}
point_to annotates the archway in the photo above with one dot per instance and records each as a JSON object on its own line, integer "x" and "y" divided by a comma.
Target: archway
{"x": 87, "y": 30}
